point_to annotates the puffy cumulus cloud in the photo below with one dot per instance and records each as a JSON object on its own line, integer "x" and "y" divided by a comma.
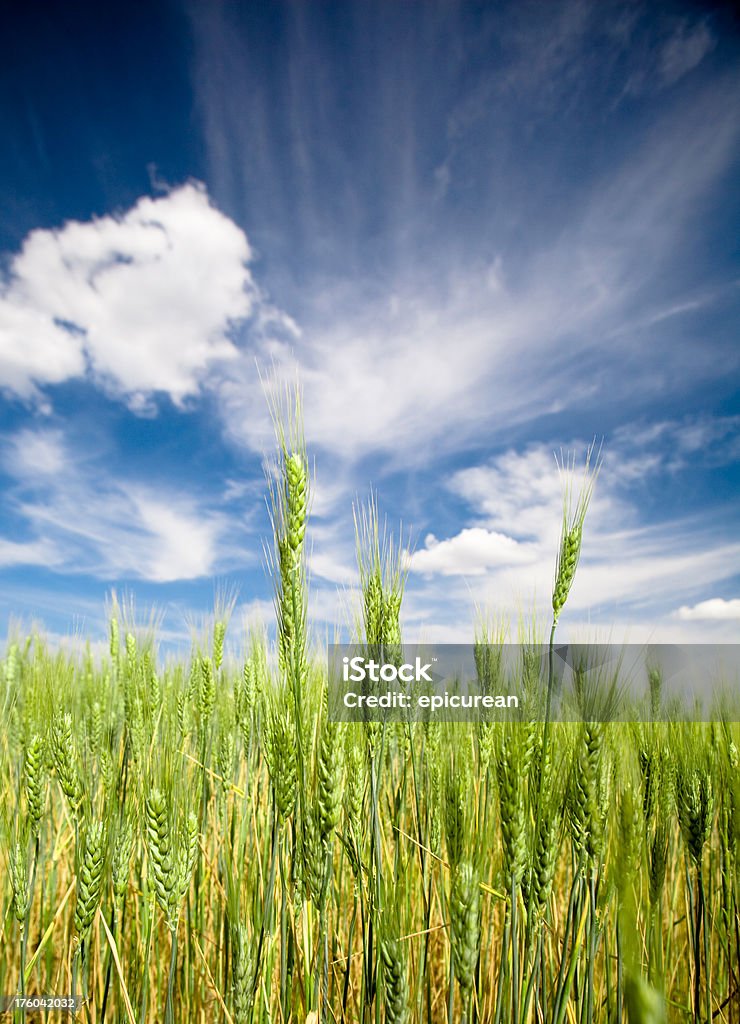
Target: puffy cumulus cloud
{"x": 716, "y": 608}
{"x": 33, "y": 348}
{"x": 472, "y": 552}
{"x": 143, "y": 301}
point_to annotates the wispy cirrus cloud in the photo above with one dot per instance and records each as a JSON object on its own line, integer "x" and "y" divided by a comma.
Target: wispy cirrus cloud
{"x": 675, "y": 443}
{"x": 429, "y": 365}
{"x": 665, "y": 51}
{"x": 685, "y": 49}
{"x": 78, "y": 518}
{"x": 36, "y": 552}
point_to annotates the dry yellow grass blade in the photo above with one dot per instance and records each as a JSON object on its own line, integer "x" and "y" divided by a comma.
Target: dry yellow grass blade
{"x": 402, "y": 938}
{"x": 214, "y": 775}
{"x": 212, "y": 983}
{"x": 119, "y": 971}
{"x": 484, "y": 885}
{"x": 47, "y": 934}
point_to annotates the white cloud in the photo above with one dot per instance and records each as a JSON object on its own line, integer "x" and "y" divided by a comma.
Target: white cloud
{"x": 38, "y": 552}
{"x": 327, "y": 566}
{"x": 35, "y": 453}
{"x": 473, "y": 552}
{"x": 675, "y": 442}
{"x": 183, "y": 545}
{"x": 521, "y": 492}
{"x": 144, "y": 301}
{"x": 685, "y": 49}
{"x": 255, "y": 613}
{"x": 716, "y": 608}
{"x": 33, "y": 349}
{"x": 82, "y": 519}
{"x": 112, "y": 531}
{"x": 659, "y": 61}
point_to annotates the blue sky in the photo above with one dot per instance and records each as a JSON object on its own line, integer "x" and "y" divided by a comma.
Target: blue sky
{"x": 479, "y": 233}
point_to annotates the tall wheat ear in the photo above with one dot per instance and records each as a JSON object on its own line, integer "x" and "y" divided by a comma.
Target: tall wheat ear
{"x": 574, "y": 515}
